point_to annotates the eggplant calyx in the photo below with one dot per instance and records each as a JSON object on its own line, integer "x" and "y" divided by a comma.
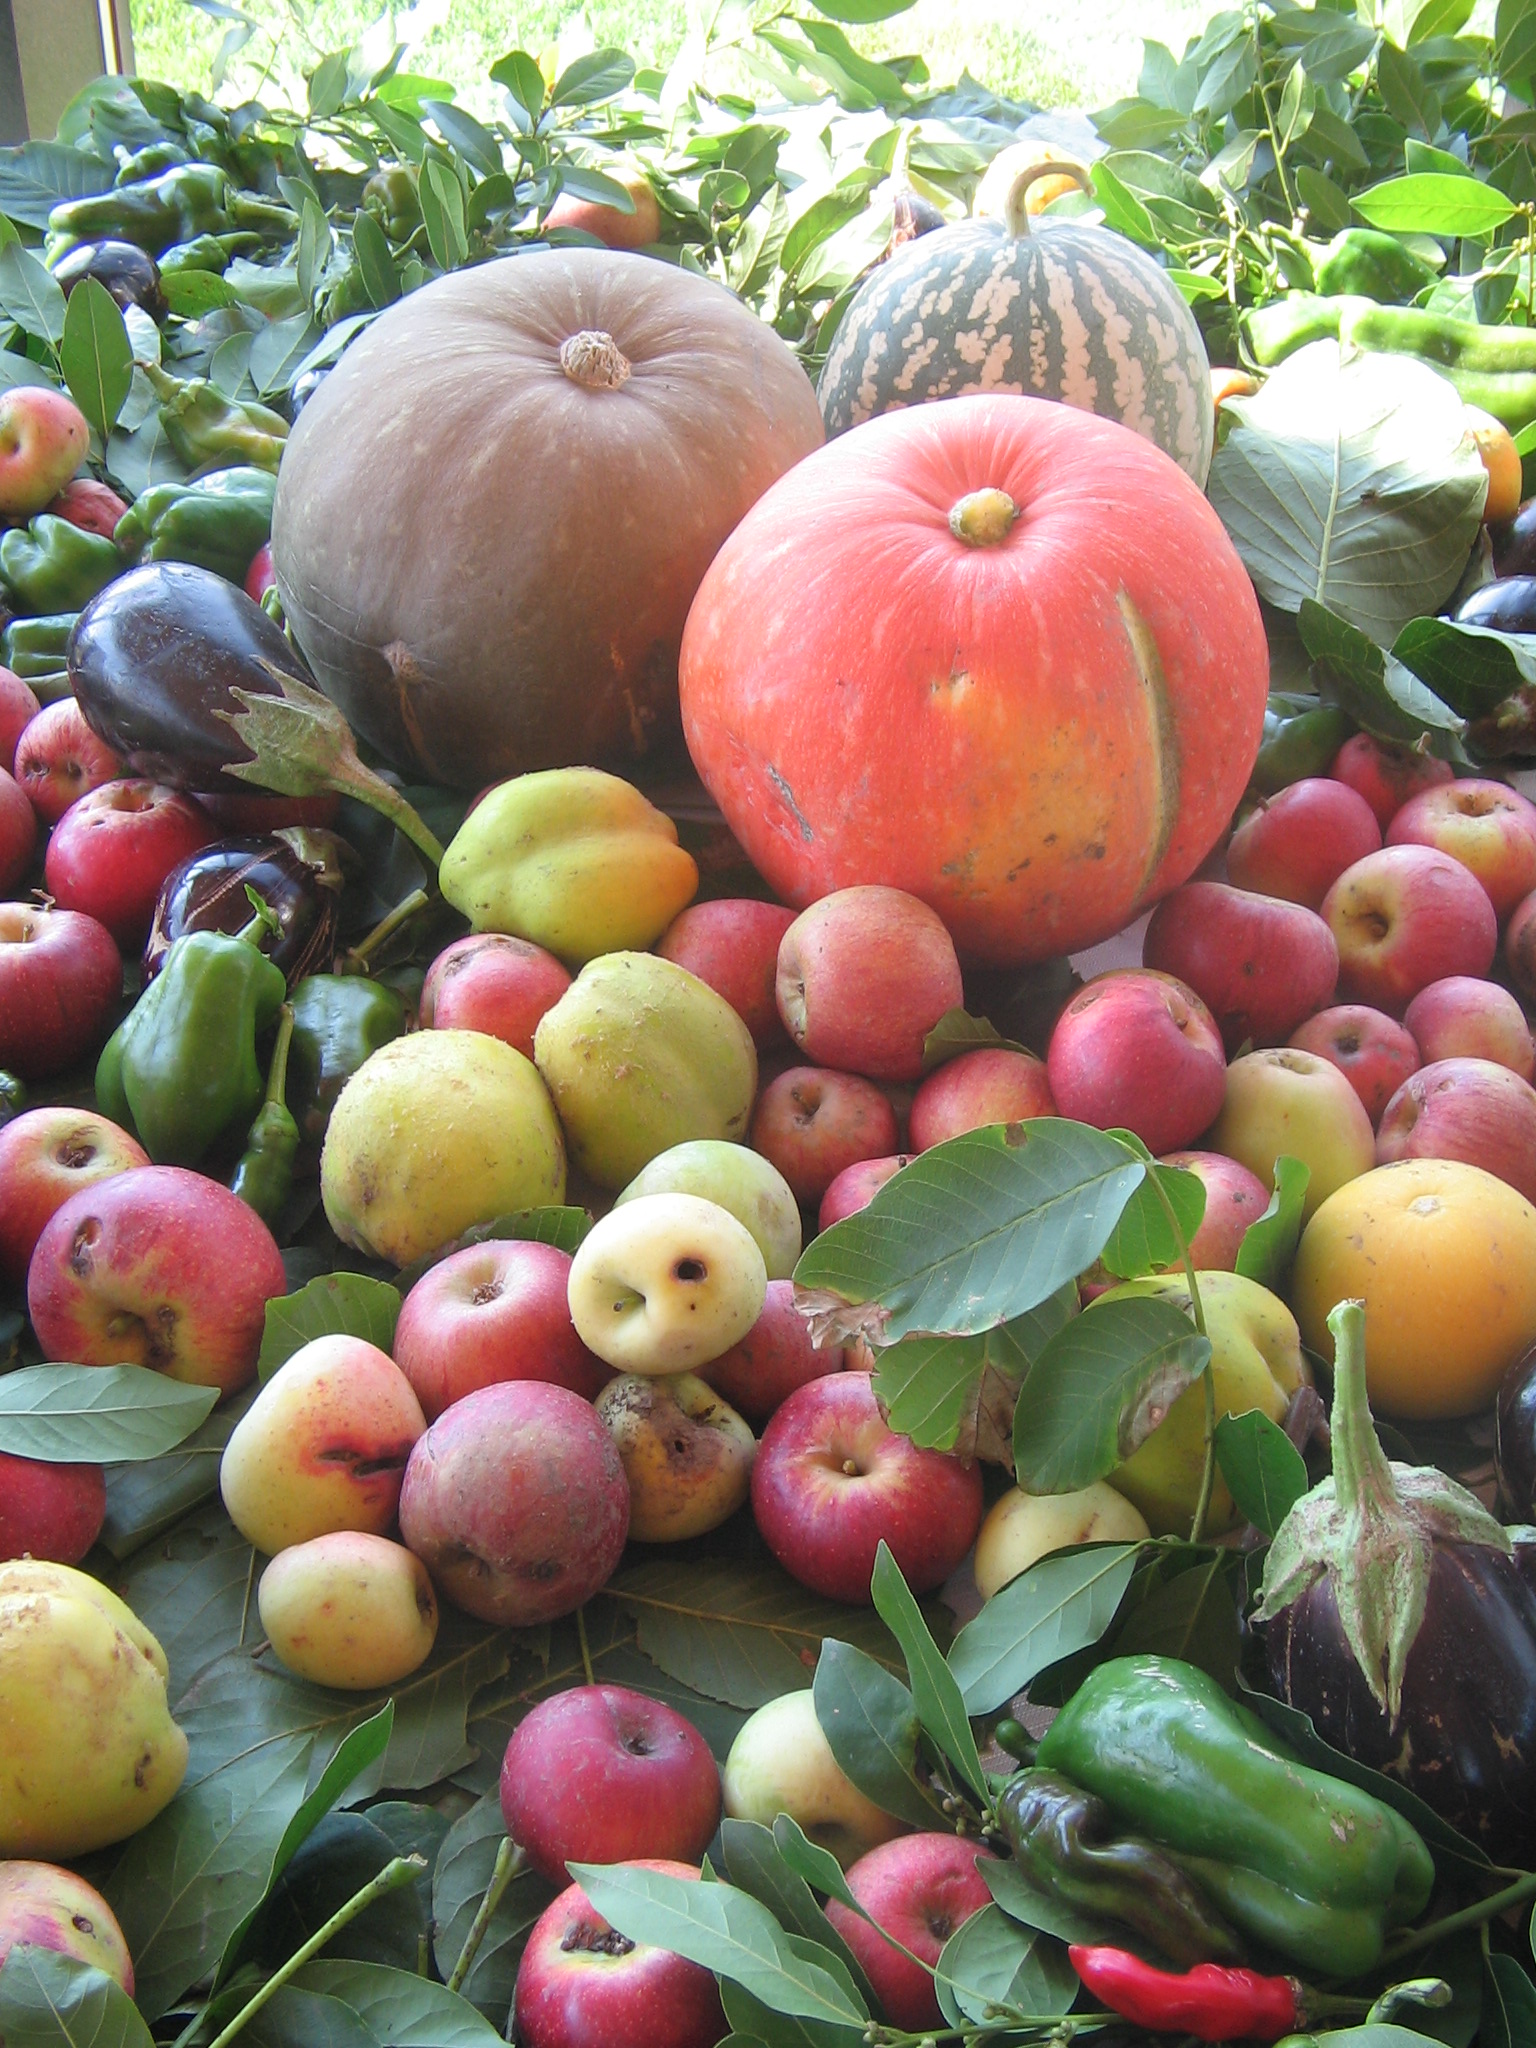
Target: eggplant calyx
{"x": 1371, "y": 1529}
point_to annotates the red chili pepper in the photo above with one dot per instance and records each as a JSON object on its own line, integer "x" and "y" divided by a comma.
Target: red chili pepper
{"x": 1212, "y": 2003}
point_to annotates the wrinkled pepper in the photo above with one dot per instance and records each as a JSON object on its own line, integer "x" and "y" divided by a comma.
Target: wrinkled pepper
{"x": 338, "y": 1020}
{"x": 1066, "y": 1843}
{"x": 1310, "y": 1866}
{"x": 220, "y": 521}
{"x": 1300, "y": 745}
{"x": 150, "y": 161}
{"x": 263, "y": 1177}
{"x": 1373, "y": 265}
{"x": 1212, "y": 2003}
{"x": 206, "y": 252}
{"x": 187, "y": 200}
{"x": 51, "y": 565}
{"x": 208, "y": 430}
{"x": 181, "y": 1068}
{"x": 36, "y": 649}
{"x": 392, "y": 197}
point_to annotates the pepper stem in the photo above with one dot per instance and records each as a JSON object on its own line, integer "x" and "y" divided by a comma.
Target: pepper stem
{"x": 277, "y": 1073}
{"x": 359, "y": 955}
{"x": 265, "y": 920}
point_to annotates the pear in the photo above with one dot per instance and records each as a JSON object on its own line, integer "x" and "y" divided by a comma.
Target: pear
{"x": 89, "y": 1753}
{"x": 640, "y": 1055}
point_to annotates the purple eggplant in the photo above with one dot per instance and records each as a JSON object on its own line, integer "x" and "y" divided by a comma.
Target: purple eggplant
{"x": 206, "y": 893}
{"x": 1396, "y": 1616}
{"x": 1515, "y": 1438}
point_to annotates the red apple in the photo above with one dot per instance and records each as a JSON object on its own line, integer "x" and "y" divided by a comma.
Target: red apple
{"x": 516, "y": 1502}
{"x": 493, "y": 1312}
{"x": 918, "y": 1889}
{"x": 93, "y": 507}
{"x": 1462, "y": 1018}
{"x": 47, "y": 1155}
{"x": 158, "y": 1267}
{"x": 61, "y": 979}
{"x": 1405, "y": 917}
{"x": 18, "y": 708}
{"x": 1385, "y": 775}
{"x": 1139, "y": 1051}
{"x": 611, "y": 224}
{"x": 1520, "y": 946}
{"x": 732, "y": 944}
{"x": 601, "y": 1774}
{"x": 832, "y": 1480}
{"x": 1373, "y": 1052}
{"x": 1472, "y": 1110}
{"x": 1234, "y": 1198}
{"x": 989, "y": 1086}
{"x": 18, "y": 832}
{"x": 1298, "y": 842}
{"x": 863, "y": 977}
{"x": 43, "y": 441}
{"x": 1258, "y": 963}
{"x": 111, "y": 851}
{"x": 59, "y": 759}
{"x": 51, "y": 1511}
{"x": 260, "y": 577}
{"x": 856, "y": 1187}
{"x": 580, "y": 1984}
{"x": 813, "y": 1122}
{"x": 495, "y": 984}
{"x": 774, "y": 1358}
{"x": 1486, "y": 825}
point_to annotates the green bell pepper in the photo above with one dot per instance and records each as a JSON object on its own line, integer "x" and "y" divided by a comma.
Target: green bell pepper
{"x": 150, "y": 161}
{"x": 206, "y": 252}
{"x": 1309, "y": 1865}
{"x": 1372, "y": 265}
{"x": 187, "y": 200}
{"x": 338, "y": 1020}
{"x": 208, "y": 430}
{"x": 1276, "y": 330}
{"x": 220, "y": 522}
{"x": 394, "y": 200}
{"x": 181, "y": 1068}
{"x": 1492, "y": 367}
{"x": 1299, "y": 745}
{"x": 37, "y": 649}
{"x": 264, "y": 1175}
{"x": 51, "y": 565}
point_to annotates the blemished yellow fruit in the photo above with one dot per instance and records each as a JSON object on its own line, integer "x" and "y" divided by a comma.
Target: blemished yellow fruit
{"x": 1021, "y": 1528}
{"x": 349, "y": 1610}
{"x": 89, "y": 1753}
{"x": 686, "y": 1453}
{"x": 434, "y": 1133}
{"x": 1444, "y": 1257}
{"x": 1501, "y": 459}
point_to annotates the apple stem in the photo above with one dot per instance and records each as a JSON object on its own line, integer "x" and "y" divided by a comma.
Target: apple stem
{"x": 400, "y": 1870}
{"x": 510, "y": 1863}
{"x": 586, "y": 1651}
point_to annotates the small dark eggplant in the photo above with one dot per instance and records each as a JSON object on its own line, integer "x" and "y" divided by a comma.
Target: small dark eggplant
{"x": 153, "y": 661}
{"x": 131, "y": 276}
{"x": 206, "y": 893}
{"x": 1396, "y": 1616}
{"x": 1514, "y": 543}
{"x": 1508, "y": 606}
{"x": 1515, "y": 1438}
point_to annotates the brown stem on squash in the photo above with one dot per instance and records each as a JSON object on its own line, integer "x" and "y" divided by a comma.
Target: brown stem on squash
{"x": 594, "y": 359}
{"x": 982, "y": 518}
{"x": 1015, "y": 218}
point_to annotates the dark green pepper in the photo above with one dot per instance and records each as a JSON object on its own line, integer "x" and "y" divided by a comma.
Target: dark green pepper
{"x": 188, "y": 199}
{"x": 338, "y": 1020}
{"x": 220, "y": 521}
{"x": 394, "y": 200}
{"x": 1374, "y": 265}
{"x": 36, "y": 649}
{"x": 1301, "y": 745}
{"x": 208, "y": 430}
{"x": 150, "y": 161}
{"x": 264, "y": 1176}
{"x": 182, "y": 1065}
{"x": 13, "y": 1096}
{"x": 1307, "y": 1864}
{"x": 206, "y": 252}
{"x": 1066, "y": 1844}
{"x": 51, "y": 566}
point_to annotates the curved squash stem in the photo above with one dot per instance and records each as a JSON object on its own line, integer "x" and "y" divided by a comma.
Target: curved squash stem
{"x": 1197, "y": 1310}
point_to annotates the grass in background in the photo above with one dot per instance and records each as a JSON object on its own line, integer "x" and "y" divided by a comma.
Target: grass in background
{"x": 1055, "y": 52}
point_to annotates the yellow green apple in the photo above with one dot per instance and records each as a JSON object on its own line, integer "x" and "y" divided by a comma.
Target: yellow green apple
{"x": 1021, "y": 1528}
{"x": 349, "y": 1609}
{"x": 781, "y": 1762}
{"x": 1286, "y": 1101}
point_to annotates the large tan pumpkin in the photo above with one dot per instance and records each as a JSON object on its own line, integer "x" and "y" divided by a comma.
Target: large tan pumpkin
{"x": 492, "y": 516}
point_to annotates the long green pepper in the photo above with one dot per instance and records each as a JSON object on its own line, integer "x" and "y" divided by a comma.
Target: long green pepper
{"x": 263, "y": 1178}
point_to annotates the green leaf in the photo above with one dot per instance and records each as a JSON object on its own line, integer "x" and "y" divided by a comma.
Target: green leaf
{"x": 973, "y": 1233}
{"x": 1265, "y": 1473}
{"x": 193, "y": 293}
{"x": 1470, "y": 668}
{"x": 958, "y": 1393}
{"x": 1514, "y": 34}
{"x": 519, "y": 76}
{"x": 1377, "y": 691}
{"x": 596, "y": 186}
{"x": 721, "y": 1929}
{"x": 144, "y": 1500}
{"x": 1325, "y": 200}
{"x": 278, "y": 351}
{"x": 1410, "y": 102}
{"x": 442, "y": 209}
{"x": 597, "y": 76}
{"x": 313, "y": 247}
{"x": 1099, "y": 1389}
{"x": 818, "y": 1866}
{"x": 48, "y": 2000}
{"x": 328, "y": 85}
{"x": 1123, "y": 211}
{"x": 1269, "y": 1243}
{"x": 29, "y": 295}
{"x": 1509, "y": 2005}
{"x": 1349, "y": 479}
{"x": 872, "y": 1728}
{"x": 990, "y": 1961}
{"x": 97, "y": 1414}
{"x": 1192, "y": 1616}
{"x": 404, "y": 2010}
{"x": 1144, "y": 1239}
{"x": 1439, "y": 18}
{"x": 292, "y": 2018}
{"x": 336, "y": 1304}
{"x": 1062, "y": 1604}
{"x": 1430, "y": 203}
{"x": 460, "y": 1878}
{"x": 743, "y": 1633}
{"x": 861, "y": 12}
{"x": 195, "y": 1591}
{"x": 935, "y": 1694}
{"x": 38, "y": 175}
{"x": 370, "y": 245}
{"x": 475, "y": 143}
{"x": 754, "y": 1863}
{"x": 1048, "y": 1911}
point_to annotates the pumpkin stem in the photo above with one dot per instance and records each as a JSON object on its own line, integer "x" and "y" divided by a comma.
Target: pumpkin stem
{"x": 982, "y": 518}
{"x": 1015, "y": 218}
{"x": 594, "y": 359}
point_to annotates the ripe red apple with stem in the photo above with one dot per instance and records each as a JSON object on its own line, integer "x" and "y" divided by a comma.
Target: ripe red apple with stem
{"x": 1487, "y": 826}
{"x": 1464, "y": 1018}
{"x": 1384, "y": 774}
{"x": 1298, "y": 842}
{"x": 1138, "y": 1050}
{"x": 813, "y": 1122}
{"x": 1258, "y": 963}
{"x": 47, "y": 1155}
{"x": 863, "y": 976}
{"x": 1234, "y": 1198}
{"x": 774, "y": 1358}
{"x": 18, "y": 832}
{"x": 18, "y": 708}
{"x": 732, "y": 944}
{"x": 43, "y": 441}
{"x": 1467, "y": 1109}
{"x": 493, "y": 983}
{"x": 61, "y": 980}
{"x": 992, "y": 1085}
{"x": 1373, "y": 1052}
{"x": 111, "y": 851}
{"x": 917, "y": 1889}
{"x": 1405, "y": 917}
{"x": 59, "y": 759}
{"x": 857, "y": 1186}
{"x": 51, "y": 1511}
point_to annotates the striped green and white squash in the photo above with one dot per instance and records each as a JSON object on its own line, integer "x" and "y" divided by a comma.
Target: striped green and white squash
{"x": 1057, "y": 309}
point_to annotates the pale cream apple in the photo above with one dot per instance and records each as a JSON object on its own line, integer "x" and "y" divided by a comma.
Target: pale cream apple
{"x": 665, "y": 1284}
{"x": 781, "y": 1762}
{"x": 739, "y": 1179}
{"x": 349, "y": 1609}
{"x": 686, "y": 1453}
{"x": 1021, "y": 1528}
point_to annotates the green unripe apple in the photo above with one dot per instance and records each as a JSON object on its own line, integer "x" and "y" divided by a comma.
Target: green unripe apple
{"x": 739, "y": 1179}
